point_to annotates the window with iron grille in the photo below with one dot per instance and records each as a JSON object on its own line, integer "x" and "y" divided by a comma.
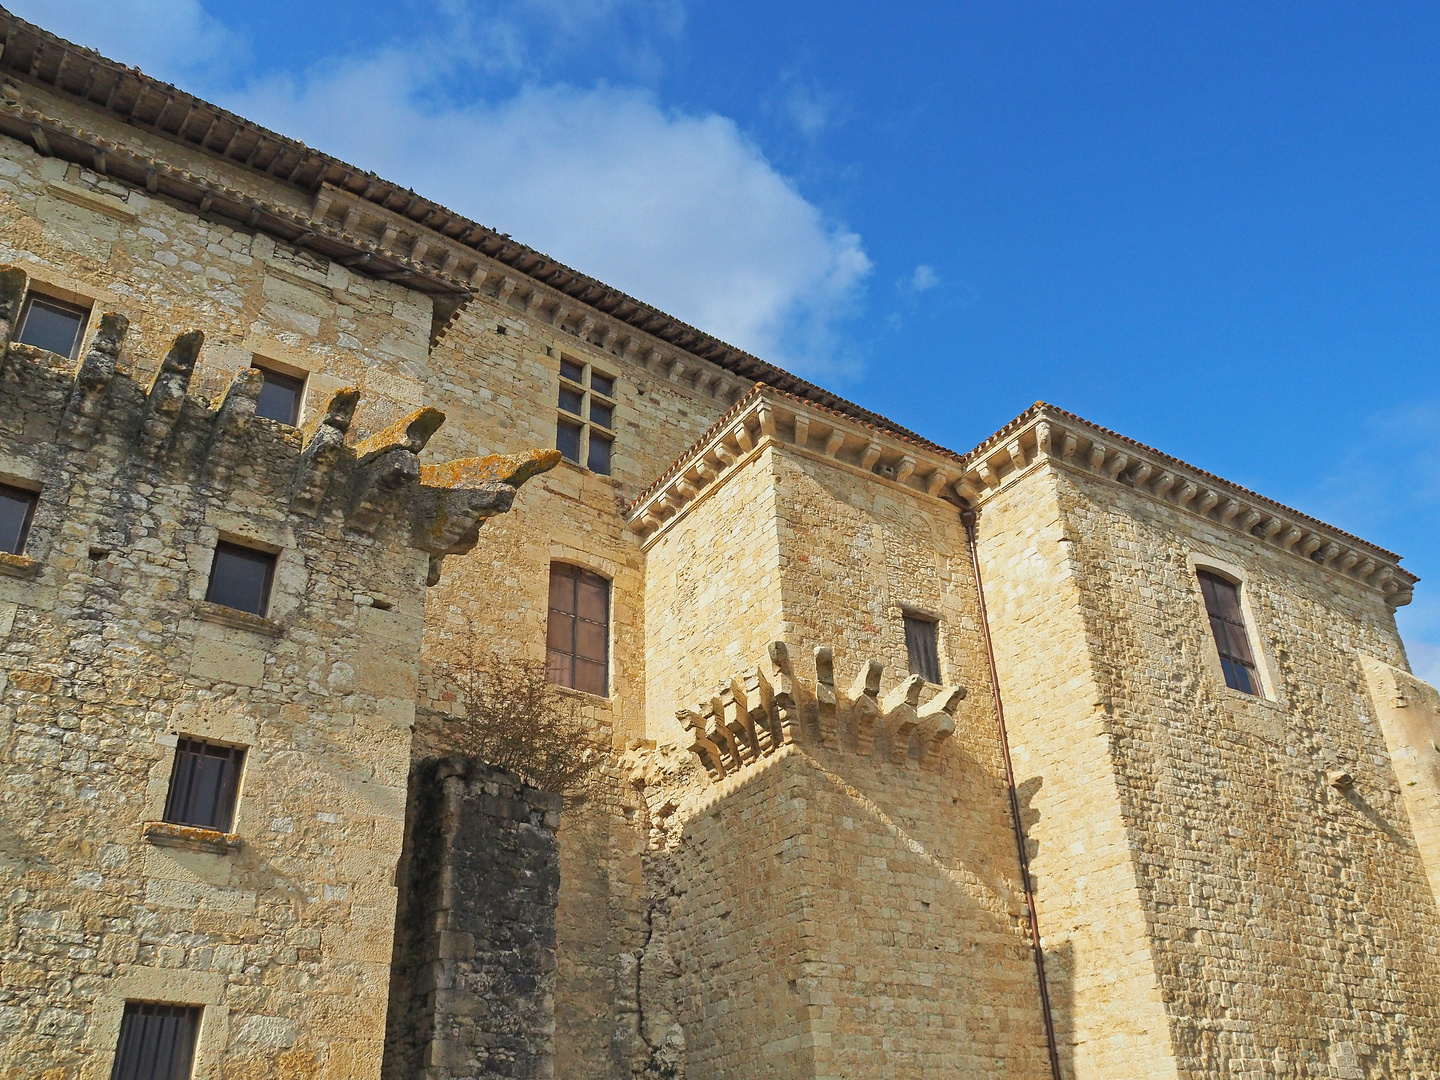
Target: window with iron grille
{"x": 922, "y": 643}
{"x": 157, "y": 1041}
{"x": 240, "y": 578}
{"x": 1227, "y": 623}
{"x": 577, "y": 631}
{"x": 280, "y": 395}
{"x": 17, "y": 508}
{"x": 52, "y": 324}
{"x": 204, "y": 782}
{"x": 585, "y": 424}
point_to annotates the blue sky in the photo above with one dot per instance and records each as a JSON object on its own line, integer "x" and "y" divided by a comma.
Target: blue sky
{"x": 1212, "y": 227}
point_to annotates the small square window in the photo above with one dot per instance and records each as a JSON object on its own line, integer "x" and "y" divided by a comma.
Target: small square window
{"x": 567, "y": 440}
{"x": 599, "y": 457}
{"x": 52, "y": 324}
{"x": 203, "y": 785}
{"x": 240, "y": 578}
{"x": 157, "y": 1041}
{"x": 923, "y": 646}
{"x": 280, "y": 397}
{"x": 17, "y": 509}
{"x": 571, "y": 400}
{"x": 572, "y": 371}
{"x": 602, "y": 413}
{"x": 602, "y": 384}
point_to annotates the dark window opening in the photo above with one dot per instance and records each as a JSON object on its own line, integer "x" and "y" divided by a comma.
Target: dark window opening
{"x": 602, "y": 384}
{"x": 571, "y": 399}
{"x": 572, "y": 371}
{"x": 17, "y": 509}
{"x": 52, "y": 324}
{"x": 157, "y": 1041}
{"x": 577, "y": 632}
{"x": 240, "y": 578}
{"x": 602, "y": 414}
{"x": 567, "y": 440}
{"x": 280, "y": 397}
{"x": 922, "y": 643}
{"x": 203, "y": 785}
{"x": 599, "y": 457}
{"x": 1227, "y": 623}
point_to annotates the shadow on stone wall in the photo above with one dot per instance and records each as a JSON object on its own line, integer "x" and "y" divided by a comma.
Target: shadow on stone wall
{"x": 473, "y": 966}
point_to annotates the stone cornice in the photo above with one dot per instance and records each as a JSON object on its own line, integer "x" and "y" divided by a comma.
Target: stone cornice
{"x": 766, "y": 415}
{"x": 1044, "y": 434}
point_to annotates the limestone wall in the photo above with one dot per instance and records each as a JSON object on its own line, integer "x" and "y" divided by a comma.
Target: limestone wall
{"x": 1286, "y": 921}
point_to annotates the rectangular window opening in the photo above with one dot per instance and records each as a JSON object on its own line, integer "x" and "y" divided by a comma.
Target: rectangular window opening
{"x": 1227, "y": 624}
{"x": 922, "y": 643}
{"x": 204, "y": 783}
{"x": 584, "y": 428}
{"x": 577, "y": 631}
{"x": 281, "y": 396}
{"x": 157, "y": 1041}
{"x": 17, "y": 510}
{"x": 240, "y": 578}
{"x": 52, "y": 324}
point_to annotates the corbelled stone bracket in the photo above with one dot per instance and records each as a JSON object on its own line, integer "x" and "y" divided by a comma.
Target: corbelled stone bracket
{"x": 753, "y": 714}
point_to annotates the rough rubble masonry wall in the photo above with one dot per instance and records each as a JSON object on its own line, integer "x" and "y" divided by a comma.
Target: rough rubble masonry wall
{"x": 472, "y": 994}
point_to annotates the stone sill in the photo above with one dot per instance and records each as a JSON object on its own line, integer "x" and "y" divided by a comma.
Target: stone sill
{"x": 584, "y": 696}
{"x": 21, "y": 566}
{"x": 189, "y": 837}
{"x": 241, "y": 620}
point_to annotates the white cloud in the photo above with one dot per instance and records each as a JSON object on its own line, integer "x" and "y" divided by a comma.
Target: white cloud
{"x": 678, "y": 208}
{"x": 164, "y": 38}
{"x": 924, "y": 278}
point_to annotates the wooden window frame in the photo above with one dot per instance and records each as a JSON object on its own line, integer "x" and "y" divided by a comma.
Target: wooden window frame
{"x": 922, "y": 618}
{"x": 1231, "y": 634}
{"x": 589, "y": 397}
{"x": 558, "y": 671}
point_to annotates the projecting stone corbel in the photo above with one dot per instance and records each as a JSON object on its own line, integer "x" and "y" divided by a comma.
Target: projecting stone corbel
{"x": 677, "y": 370}
{"x": 322, "y": 452}
{"x": 901, "y": 718}
{"x": 864, "y": 706}
{"x": 1348, "y": 561}
{"x": 871, "y": 456}
{"x": 1311, "y": 545}
{"x": 1142, "y": 473}
{"x": 507, "y": 288}
{"x": 1117, "y": 465}
{"x": 760, "y": 702}
{"x": 1291, "y": 537}
{"x": 905, "y": 467}
{"x": 986, "y": 474}
{"x": 456, "y": 497}
{"x": 737, "y": 753}
{"x": 411, "y": 433}
{"x": 710, "y": 755}
{"x": 802, "y": 430}
{"x": 167, "y": 393}
{"x": 560, "y": 316}
{"x": 86, "y": 404}
{"x": 1163, "y": 483}
{"x": 1187, "y": 492}
{"x": 1097, "y": 456}
{"x": 13, "y": 284}
{"x": 1366, "y": 568}
{"x": 1043, "y": 436}
{"x": 725, "y": 455}
{"x": 783, "y": 689}
{"x": 587, "y": 327}
{"x": 966, "y": 490}
{"x": 232, "y": 420}
{"x": 1206, "y": 503}
{"x": 743, "y": 437}
{"x": 373, "y": 483}
{"x": 1229, "y": 510}
{"x": 1067, "y": 449}
{"x": 1272, "y": 526}
{"x": 766, "y": 416}
{"x": 1017, "y": 454}
{"x": 1250, "y": 520}
{"x": 731, "y": 696}
{"x": 834, "y": 443}
{"x": 1328, "y": 553}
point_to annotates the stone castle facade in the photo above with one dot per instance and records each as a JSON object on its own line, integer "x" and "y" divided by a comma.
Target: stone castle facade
{"x": 1059, "y": 757}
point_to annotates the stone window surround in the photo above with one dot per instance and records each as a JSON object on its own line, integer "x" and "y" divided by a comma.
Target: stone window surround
{"x": 229, "y": 728}
{"x": 1269, "y": 695}
{"x": 265, "y": 362}
{"x": 287, "y": 586}
{"x": 173, "y": 985}
{"x": 914, "y": 611}
{"x": 18, "y": 473}
{"x": 57, "y": 285}
{"x": 582, "y": 418}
